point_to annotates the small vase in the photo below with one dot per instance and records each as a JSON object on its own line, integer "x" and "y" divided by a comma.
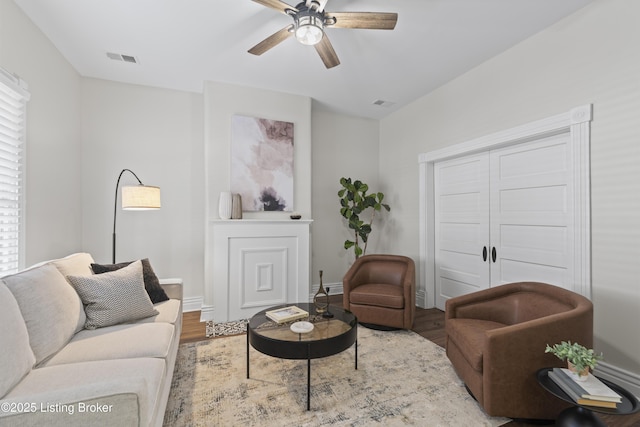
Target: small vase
{"x": 321, "y": 298}
{"x": 225, "y": 205}
{"x": 236, "y": 210}
{"x": 580, "y": 376}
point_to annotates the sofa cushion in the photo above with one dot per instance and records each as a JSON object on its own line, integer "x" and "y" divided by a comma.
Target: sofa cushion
{"x": 378, "y": 294}
{"x": 168, "y": 312}
{"x": 16, "y": 357}
{"x": 151, "y": 282}
{"x": 50, "y": 307}
{"x": 131, "y": 386}
{"x": 117, "y": 342}
{"x": 78, "y": 264}
{"x": 115, "y": 297}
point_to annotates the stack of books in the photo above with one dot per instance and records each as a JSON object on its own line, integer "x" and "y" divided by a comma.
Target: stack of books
{"x": 590, "y": 392}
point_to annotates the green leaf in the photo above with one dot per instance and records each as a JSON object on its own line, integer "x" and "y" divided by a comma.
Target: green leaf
{"x": 341, "y": 192}
{"x": 380, "y": 197}
{"x": 386, "y": 207}
{"x": 348, "y": 244}
{"x": 358, "y": 251}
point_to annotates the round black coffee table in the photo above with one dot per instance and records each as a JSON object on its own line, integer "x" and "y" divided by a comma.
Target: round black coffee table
{"x": 329, "y": 336}
{"x": 582, "y": 415}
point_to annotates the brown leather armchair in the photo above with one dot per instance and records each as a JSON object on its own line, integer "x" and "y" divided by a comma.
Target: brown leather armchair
{"x": 496, "y": 338}
{"x": 381, "y": 290}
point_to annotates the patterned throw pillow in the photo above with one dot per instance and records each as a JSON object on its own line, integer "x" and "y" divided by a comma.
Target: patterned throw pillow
{"x": 114, "y": 297}
{"x": 151, "y": 282}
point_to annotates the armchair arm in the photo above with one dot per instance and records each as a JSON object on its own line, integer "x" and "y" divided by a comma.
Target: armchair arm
{"x": 514, "y": 353}
{"x": 172, "y": 287}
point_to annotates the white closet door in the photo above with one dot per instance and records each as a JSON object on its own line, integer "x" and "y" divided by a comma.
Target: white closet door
{"x": 532, "y": 214}
{"x": 462, "y": 226}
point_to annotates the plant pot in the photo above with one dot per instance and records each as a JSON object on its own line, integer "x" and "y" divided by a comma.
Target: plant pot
{"x": 580, "y": 376}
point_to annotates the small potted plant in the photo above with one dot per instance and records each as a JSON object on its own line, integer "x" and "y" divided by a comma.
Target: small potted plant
{"x": 579, "y": 359}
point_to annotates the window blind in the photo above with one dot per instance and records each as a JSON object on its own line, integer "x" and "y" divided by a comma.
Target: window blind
{"x": 13, "y": 103}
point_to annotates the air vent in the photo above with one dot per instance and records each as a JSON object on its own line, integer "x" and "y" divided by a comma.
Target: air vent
{"x": 383, "y": 103}
{"x": 120, "y": 57}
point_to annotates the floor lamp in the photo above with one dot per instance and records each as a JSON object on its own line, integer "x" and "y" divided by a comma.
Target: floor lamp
{"x": 134, "y": 197}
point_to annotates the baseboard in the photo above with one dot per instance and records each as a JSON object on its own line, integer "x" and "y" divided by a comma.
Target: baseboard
{"x": 623, "y": 378}
{"x": 334, "y": 288}
{"x": 192, "y": 304}
{"x": 421, "y": 298}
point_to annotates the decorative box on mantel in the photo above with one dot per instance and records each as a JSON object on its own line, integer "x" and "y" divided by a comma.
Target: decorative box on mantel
{"x": 254, "y": 264}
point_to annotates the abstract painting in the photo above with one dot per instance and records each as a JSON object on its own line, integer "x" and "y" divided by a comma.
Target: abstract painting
{"x": 262, "y": 163}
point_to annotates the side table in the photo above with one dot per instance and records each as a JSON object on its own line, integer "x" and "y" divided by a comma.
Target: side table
{"x": 582, "y": 415}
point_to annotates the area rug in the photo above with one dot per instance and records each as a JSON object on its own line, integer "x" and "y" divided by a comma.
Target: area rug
{"x": 402, "y": 379}
{"x": 213, "y": 329}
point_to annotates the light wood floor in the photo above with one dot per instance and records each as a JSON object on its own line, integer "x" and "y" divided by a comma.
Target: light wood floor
{"x": 428, "y": 323}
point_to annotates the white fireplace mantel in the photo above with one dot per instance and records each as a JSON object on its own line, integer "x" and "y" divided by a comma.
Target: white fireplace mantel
{"x": 253, "y": 264}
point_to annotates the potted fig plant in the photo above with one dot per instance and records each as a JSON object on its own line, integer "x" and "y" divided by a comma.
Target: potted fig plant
{"x": 354, "y": 201}
{"x": 580, "y": 360}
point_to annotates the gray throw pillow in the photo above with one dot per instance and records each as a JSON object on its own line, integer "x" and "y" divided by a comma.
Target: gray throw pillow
{"x": 151, "y": 282}
{"x": 115, "y": 297}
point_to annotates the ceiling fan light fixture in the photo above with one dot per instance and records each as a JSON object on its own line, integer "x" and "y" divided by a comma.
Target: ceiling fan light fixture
{"x": 309, "y": 28}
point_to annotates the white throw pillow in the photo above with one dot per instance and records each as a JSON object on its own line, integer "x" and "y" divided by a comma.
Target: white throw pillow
{"x": 50, "y": 307}
{"x": 16, "y": 357}
{"x": 78, "y": 264}
{"x": 115, "y": 297}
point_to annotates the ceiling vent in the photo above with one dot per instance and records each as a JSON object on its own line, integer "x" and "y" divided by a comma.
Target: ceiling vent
{"x": 120, "y": 57}
{"x": 383, "y": 103}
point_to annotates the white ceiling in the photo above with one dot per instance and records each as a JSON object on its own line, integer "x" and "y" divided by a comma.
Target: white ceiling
{"x": 182, "y": 43}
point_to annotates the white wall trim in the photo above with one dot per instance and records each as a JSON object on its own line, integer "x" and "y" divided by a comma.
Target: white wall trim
{"x": 335, "y": 288}
{"x": 191, "y": 304}
{"x": 625, "y": 379}
{"x": 577, "y": 122}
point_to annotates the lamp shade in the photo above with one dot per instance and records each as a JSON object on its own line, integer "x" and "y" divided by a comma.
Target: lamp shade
{"x": 140, "y": 197}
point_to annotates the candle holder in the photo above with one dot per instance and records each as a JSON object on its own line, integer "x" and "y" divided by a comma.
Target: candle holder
{"x": 321, "y": 298}
{"x": 327, "y": 314}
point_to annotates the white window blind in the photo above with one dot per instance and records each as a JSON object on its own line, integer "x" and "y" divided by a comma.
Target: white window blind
{"x": 13, "y": 103}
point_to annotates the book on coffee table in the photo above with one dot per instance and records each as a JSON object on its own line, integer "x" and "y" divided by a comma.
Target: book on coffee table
{"x": 286, "y": 314}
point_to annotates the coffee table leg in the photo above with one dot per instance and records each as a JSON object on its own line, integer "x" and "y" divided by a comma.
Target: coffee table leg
{"x": 309, "y": 378}
{"x": 247, "y": 354}
{"x": 356, "y": 354}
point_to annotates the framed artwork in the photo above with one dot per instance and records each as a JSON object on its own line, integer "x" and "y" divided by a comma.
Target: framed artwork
{"x": 262, "y": 163}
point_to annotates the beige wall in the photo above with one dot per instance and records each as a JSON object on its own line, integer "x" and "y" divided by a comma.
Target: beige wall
{"x": 157, "y": 133}
{"x": 588, "y": 57}
{"x": 222, "y": 101}
{"x": 342, "y": 147}
{"x": 53, "y": 203}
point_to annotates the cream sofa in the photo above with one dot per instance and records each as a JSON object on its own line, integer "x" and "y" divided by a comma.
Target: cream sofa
{"x": 55, "y": 372}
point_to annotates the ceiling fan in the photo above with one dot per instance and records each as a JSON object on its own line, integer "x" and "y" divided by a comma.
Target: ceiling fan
{"x": 309, "y": 21}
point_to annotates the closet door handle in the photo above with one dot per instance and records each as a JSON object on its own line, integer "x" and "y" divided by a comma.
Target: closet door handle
{"x": 493, "y": 254}
{"x": 484, "y": 254}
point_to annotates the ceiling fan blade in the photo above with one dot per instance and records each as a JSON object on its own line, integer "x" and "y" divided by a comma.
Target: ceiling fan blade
{"x": 322, "y": 3}
{"x": 278, "y": 5}
{"x": 326, "y": 52}
{"x": 271, "y": 41}
{"x": 362, "y": 20}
